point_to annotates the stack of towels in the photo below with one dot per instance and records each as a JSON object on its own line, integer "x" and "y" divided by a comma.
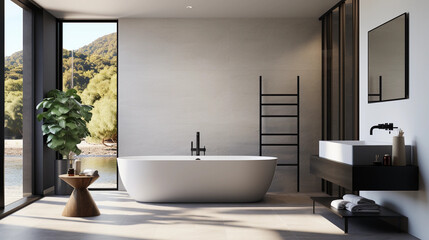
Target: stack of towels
{"x": 89, "y": 172}
{"x": 356, "y": 204}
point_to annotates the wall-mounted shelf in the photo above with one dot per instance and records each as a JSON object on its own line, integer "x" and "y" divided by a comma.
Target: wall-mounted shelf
{"x": 346, "y": 215}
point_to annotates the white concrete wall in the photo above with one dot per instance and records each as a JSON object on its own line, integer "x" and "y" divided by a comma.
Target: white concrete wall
{"x": 179, "y": 76}
{"x": 411, "y": 115}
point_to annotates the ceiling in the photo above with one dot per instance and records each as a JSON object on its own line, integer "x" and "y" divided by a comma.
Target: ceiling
{"x": 113, "y": 9}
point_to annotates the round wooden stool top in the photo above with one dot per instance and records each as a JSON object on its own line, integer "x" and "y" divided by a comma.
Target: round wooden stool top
{"x": 80, "y": 203}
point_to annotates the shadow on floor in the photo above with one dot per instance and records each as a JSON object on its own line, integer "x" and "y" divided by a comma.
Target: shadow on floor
{"x": 167, "y": 215}
{"x": 9, "y": 232}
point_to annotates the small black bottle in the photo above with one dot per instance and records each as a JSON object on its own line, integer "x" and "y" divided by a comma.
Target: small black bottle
{"x": 387, "y": 160}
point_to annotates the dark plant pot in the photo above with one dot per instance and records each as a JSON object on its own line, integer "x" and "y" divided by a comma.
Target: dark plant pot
{"x": 61, "y": 187}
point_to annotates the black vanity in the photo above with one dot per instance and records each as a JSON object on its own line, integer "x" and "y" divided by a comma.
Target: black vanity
{"x": 366, "y": 177}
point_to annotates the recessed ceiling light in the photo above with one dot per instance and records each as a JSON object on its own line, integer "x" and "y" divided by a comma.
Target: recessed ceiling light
{"x": 189, "y": 7}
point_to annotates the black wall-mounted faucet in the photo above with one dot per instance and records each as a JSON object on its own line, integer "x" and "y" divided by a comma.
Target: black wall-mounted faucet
{"x": 385, "y": 126}
{"x": 197, "y": 149}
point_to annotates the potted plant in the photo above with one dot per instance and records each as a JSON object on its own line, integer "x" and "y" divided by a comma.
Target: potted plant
{"x": 64, "y": 125}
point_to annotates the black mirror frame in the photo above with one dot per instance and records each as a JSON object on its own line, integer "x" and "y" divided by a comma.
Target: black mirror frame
{"x": 407, "y": 62}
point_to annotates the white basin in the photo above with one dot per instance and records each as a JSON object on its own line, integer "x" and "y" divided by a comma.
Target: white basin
{"x": 356, "y": 152}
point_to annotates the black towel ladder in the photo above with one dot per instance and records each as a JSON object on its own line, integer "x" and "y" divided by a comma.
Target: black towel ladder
{"x": 262, "y": 116}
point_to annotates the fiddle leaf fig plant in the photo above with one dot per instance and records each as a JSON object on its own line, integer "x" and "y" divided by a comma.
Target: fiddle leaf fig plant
{"x": 64, "y": 121}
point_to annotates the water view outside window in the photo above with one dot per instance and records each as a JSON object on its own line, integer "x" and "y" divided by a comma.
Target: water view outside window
{"x": 90, "y": 67}
{"x": 13, "y": 102}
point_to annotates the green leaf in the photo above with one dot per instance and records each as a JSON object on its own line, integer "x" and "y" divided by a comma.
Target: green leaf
{"x": 55, "y": 145}
{"x": 61, "y": 134}
{"x": 53, "y": 93}
{"x": 71, "y": 125}
{"x": 50, "y": 145}
{"x": 75, "y": 102}
{"x": 40, "y": 116}
{"x": 87, "y": 116}
{"x": 40, "y": 105}
{"x": 77, "y": 151}
{"x": 62, "y": 123}
{"x": 63, "y": 110}
{"x": 45, "y": 129}
{"x": 71, "y": 92}
{"x": 75, "y": 115}
{"x": 63, "y": 100}
{"x": 55, "y": 111}
{"x": 87, "y": 107}
{"x": 54, "y": 129}
{"x": 60, "y": 118}
{"x": 70, "y": 145}
{"x": 57, "y": 142}
{"x": 47, "y": 104}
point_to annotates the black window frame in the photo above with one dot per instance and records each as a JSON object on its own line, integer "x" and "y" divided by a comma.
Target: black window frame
{"x": 29, "y": 14}
{"x": 60, "y": 23}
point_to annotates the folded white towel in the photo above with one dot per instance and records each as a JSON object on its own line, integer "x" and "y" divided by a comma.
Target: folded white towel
{"x": 90, "y": 172}
{"x": 339, "y": 204}
{"x": 357, "y": 199}
{"x": 352, "y": 207}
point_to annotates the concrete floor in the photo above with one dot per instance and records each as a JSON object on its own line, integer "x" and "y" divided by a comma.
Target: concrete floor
{"x": 279, "y": 216}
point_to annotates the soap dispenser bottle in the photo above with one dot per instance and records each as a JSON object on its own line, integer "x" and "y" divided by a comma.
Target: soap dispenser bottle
{"x": 398, "y": 150}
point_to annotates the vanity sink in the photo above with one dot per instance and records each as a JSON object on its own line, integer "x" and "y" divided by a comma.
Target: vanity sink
{"x": 357, "y": 152}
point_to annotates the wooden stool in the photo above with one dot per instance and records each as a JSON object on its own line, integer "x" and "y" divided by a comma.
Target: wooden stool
{"x": 80, "y": 203}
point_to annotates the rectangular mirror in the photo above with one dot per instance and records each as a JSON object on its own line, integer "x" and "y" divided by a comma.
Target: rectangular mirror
{"x": 388, "y": 61}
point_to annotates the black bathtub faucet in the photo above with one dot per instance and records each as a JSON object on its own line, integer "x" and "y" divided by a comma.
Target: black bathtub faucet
{"x": 385, "y": 126}
{"x": 197, "y": 149}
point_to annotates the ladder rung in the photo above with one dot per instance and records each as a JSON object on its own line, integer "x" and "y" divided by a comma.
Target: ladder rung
{"x": 279, "y": 134}
{"x": 279, "y": 144}
{"x": 287, "y": 164}
{"x": 279, "y": 104}
{"x": 279, "y": 95}
{"x": 279, "y": 115}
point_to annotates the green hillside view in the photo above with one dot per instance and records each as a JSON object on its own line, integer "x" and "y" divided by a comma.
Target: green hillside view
{"x": 94, "y": 77}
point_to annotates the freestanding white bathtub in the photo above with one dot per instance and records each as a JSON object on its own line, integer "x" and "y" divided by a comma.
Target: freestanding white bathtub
{"x": 185, "y": 179}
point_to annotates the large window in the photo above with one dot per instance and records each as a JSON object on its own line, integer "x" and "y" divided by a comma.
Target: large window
{"x": 13, "y": 103}
{"x": 89, "y": 65}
